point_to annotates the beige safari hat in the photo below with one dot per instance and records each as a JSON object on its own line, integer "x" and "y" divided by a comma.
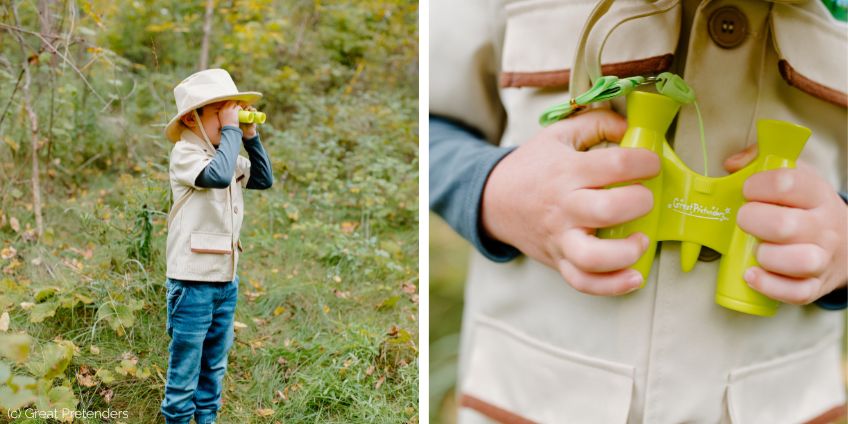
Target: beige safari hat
{"x": 201, "y": 89}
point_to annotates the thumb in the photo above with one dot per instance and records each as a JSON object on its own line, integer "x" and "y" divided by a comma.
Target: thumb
{"x": 739, "y": 160}
{"x": 587, "y": 129}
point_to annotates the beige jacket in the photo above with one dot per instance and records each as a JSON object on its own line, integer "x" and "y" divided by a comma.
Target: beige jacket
{"x": 536, "y": 350}
{"x": 204, "y": 224}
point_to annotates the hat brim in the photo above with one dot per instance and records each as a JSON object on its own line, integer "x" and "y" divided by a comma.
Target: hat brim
{"x": 173, "y": 130}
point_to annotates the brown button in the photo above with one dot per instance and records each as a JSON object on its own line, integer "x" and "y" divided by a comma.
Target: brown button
{"x": 708, "y": 255}
{"x": 728, "y": 27}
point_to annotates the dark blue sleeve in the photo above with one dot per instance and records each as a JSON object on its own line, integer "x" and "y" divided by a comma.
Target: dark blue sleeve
{"x": 837, "y": 299}
{"x": 261, "y": 177}
{"x": 219, "y": 172}
{"x": 460, "y": 163}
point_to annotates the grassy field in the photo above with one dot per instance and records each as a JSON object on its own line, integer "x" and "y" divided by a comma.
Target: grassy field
{"x": 327, "y": 316}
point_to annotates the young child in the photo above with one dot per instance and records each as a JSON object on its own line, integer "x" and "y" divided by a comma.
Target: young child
{"x": 207, "y": 177}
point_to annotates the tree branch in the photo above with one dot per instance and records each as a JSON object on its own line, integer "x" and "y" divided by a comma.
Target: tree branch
{"x": 50, "y": 46}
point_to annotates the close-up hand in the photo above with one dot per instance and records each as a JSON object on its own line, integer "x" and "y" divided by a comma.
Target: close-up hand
{"x": 547, "y": 198}
{"x": 248, "y": 130}
{"x": 803, "y": 227}
{"x": 228, "y": 114}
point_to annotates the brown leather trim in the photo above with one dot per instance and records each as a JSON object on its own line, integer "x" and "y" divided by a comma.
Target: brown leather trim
{"x": 492, "y": 411}
{"x": 561, "y": 78}
{"x": 199, "y": 250}
{"x": 809, "y": 86}
{"x": 831, "y": 416}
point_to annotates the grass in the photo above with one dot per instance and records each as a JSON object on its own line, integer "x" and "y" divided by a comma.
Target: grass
{"x": 327, "y": 306}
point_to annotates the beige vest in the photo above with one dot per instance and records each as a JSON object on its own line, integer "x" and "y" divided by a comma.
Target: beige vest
{"x": 204, "y": 224}
{"x": 535, "y": 349}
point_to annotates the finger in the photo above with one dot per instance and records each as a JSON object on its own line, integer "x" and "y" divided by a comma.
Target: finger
{"x": 777, "y": 224}
{"x": 596, "y": 255}
{"x": 602, "y": 208}
{"x": 740, "y": 159}
{"x": 793, "y": 260}
{"x": 787, "y": 187}
{"x": 609, "y": 284}
{"x": 588, "y": 129}
{"x": 603, "y": 167}
{"x": 794, "y": 291}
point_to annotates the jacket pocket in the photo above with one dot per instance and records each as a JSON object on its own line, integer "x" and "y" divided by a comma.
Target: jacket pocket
{"x": 795, "y": 388}
{"x": 812, "y": 51}
{"x": 216, "y": 243}
{"x": 541, "y": 37}
{"x": 512, "y": 377}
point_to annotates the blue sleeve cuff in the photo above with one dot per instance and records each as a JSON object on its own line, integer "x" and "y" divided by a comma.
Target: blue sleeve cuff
{"x": 460, "y": 164}
{"x": 837, "y": 299}
{"x": 261, "y": 175}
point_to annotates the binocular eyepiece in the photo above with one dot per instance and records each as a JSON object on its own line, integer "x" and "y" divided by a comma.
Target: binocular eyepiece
{"x": 251, "y": 117}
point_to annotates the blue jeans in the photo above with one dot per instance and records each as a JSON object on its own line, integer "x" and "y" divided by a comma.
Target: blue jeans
{"x": 200, "y": 323}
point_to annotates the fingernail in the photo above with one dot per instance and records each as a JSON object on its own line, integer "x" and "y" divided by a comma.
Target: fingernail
{"x": 644, "y": 240}
{"x": 749, "y": 275}
{"x": 635, "y": 281}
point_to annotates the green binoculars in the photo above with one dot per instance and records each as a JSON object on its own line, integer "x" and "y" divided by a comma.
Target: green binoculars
{"x": 251, "y": 117}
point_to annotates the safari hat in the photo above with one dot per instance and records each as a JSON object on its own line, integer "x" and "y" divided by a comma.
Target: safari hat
{"x": 201, "y": 89}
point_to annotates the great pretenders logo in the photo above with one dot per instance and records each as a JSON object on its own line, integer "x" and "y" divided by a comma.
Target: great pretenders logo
{"x": 698, "y": 210}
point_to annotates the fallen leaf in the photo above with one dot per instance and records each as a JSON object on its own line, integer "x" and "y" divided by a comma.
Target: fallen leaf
{"x": 265, "y": 412}
{"x": 349, "y": 227}
{"x": 341, "y": 294}
{"x": 16, "y": 226}
{"x": 4, "y": 322}
{"x": 239, "y": 325}
{"x": 94, "y": 350}
{"x": 8, "y": 252}
{"x": 85, "y": 377}
{"x": 107, "y": 394}
{"x": 388, "y": 303}
{"x": 409, "y": 288}
{"x": 337, "y": 279}
{"x": 279, "y": 310}
{"x": 380, "y": 382}
{"x": 370, "y": 370}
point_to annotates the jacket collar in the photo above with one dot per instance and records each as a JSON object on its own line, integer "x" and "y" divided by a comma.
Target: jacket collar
{"x": 190, "y": 137}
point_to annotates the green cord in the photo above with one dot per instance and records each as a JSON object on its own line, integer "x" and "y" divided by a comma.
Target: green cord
{"x": 673, "y": 86}
{"x": 605, "y": 88}
{"x": 609, "y": 87}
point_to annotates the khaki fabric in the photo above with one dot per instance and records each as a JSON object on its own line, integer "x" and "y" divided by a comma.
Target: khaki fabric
{"x": 534, "y": 348}
{"x": 204, "y": 225}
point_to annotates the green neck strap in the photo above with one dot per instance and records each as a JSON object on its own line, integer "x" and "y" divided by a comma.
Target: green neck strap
{"x": 610, "y": 87}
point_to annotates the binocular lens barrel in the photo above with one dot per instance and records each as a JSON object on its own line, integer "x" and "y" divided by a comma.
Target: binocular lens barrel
{"x": 251, "y": 117}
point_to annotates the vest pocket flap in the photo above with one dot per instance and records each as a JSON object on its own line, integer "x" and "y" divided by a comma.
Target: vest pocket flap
{"x": 512, "y": 377}
{"x": 791, "y": 389}
{"x": 541, "y": 39}
{"x": 221, "y": 243}
{"x": 813, "y": 57}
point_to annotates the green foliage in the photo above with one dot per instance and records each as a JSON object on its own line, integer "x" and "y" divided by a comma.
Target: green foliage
{"x": 49, "y": 362}
{"x": 329, "y": 274}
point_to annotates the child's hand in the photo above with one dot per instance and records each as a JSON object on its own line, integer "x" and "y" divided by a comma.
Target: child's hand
{"x": 228, "y": 114}
{"x": 803, "y": 225}
{"x": 248, "y": 130}
{"x": 547, "y": 198}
